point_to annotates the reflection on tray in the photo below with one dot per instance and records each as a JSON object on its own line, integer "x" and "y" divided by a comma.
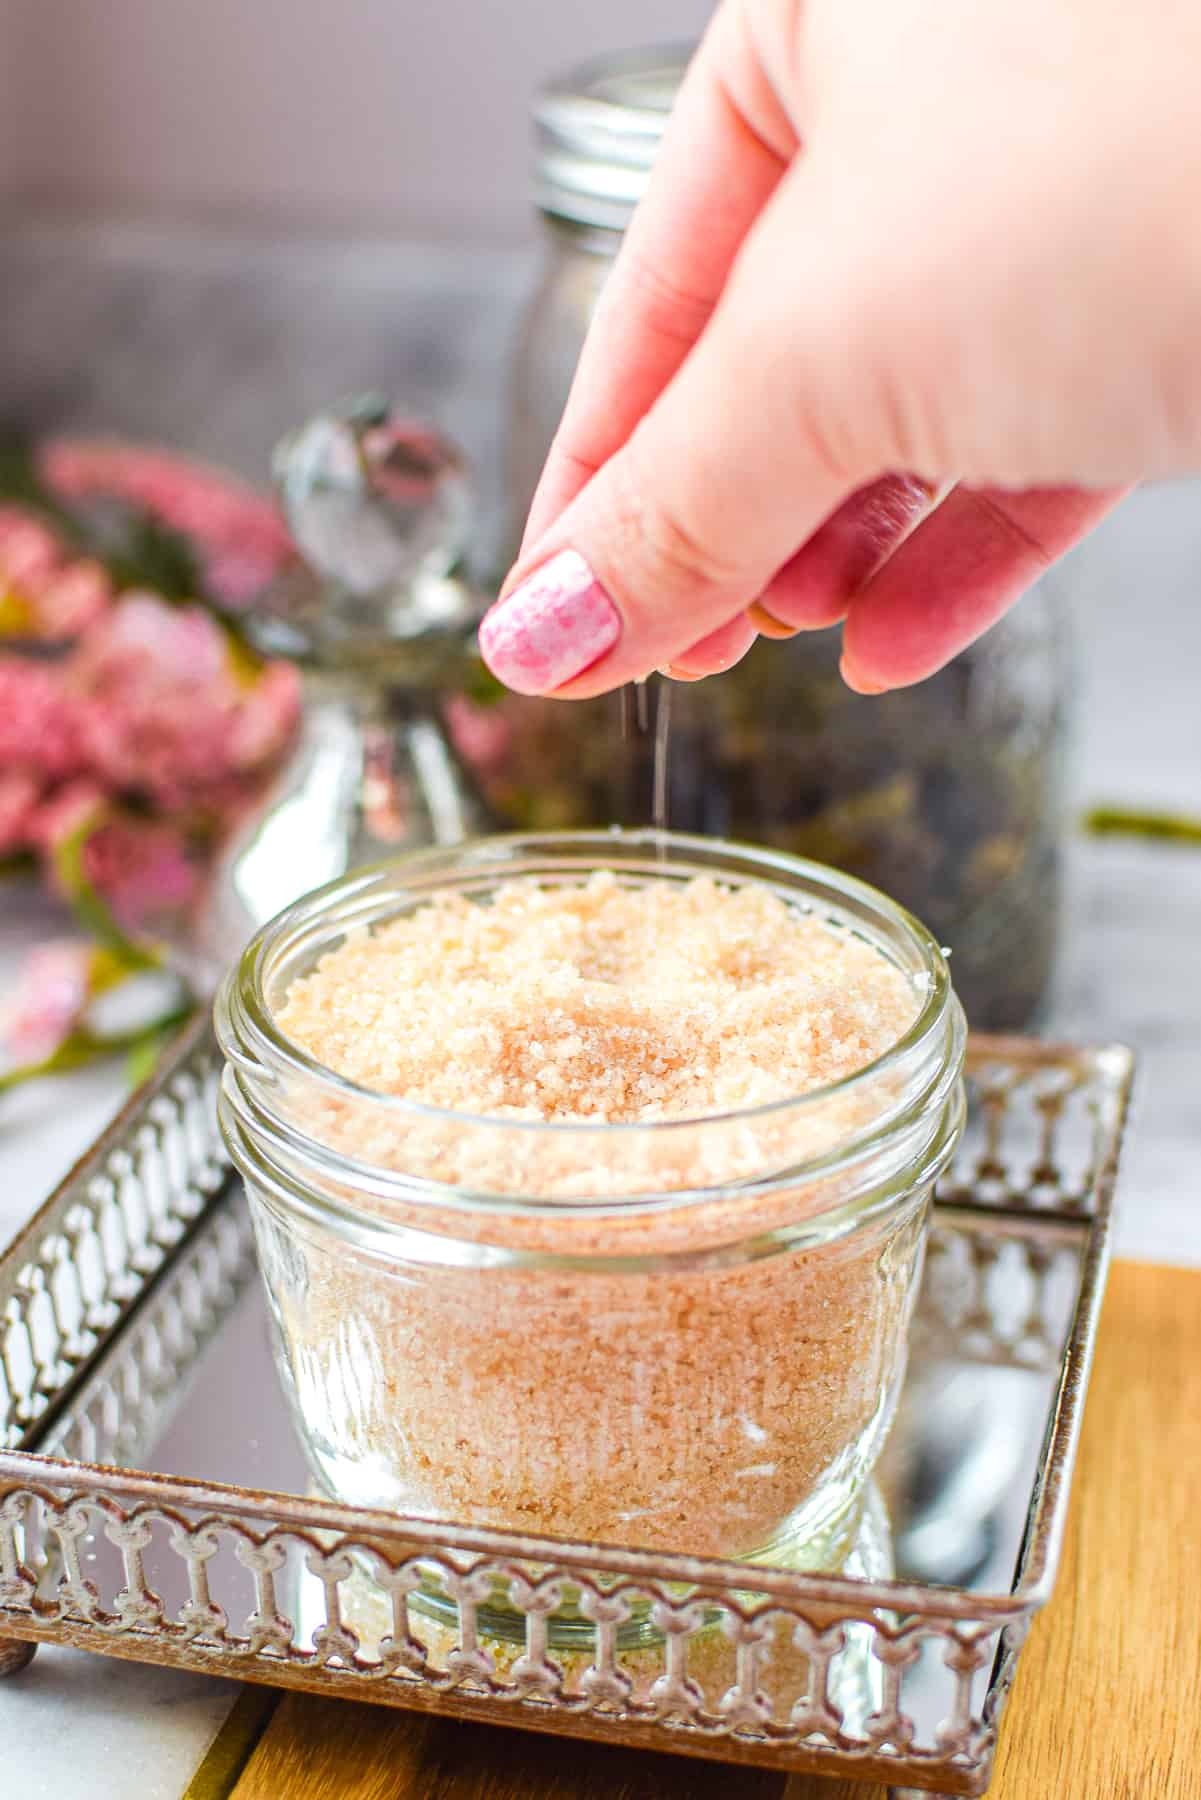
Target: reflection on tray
{"x": 897, "y": 1674}
{"x": 189, "y": 1388}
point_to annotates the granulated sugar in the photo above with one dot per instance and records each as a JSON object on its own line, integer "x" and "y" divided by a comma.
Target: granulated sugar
{"x": 708, "y": 1372}
{"x": 600, "y": 1002}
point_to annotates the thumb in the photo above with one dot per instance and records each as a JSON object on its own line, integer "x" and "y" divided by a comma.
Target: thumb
{"x": 716, "y": 488}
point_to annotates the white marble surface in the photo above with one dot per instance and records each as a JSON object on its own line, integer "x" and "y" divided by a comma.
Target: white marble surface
{"x": 76, "y": 1726}
{"x": 1131, "y": 963}
{"x": 1130, "y": 971}
{"x": 81, "y": 1727}
{"x": 220, "y": 348}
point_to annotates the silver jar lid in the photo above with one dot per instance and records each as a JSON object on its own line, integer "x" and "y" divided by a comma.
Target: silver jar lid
{"x": 598, "y": 132}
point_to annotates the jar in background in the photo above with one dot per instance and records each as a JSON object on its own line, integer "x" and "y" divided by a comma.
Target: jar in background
{"x": 948, "y": 796}
{"x": 597, "y": 134}
{"x": 684, "y": 1335}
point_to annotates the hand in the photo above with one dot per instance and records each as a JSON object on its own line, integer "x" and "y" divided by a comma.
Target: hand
{"x": 914, "y": 294}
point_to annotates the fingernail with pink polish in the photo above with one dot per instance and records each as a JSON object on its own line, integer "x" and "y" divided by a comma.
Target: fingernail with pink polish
{"x": 551, "y": 628}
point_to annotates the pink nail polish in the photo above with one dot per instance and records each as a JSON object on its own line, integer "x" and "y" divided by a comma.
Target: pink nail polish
{"x": 551, "y": 628}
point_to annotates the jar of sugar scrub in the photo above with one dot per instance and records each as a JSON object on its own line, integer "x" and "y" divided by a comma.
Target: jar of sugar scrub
{"x": 590, "y": 1175}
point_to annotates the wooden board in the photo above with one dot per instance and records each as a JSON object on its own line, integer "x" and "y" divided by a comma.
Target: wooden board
{"x": 1107, "y": 1703}
{"x": 322, "y": 1750}
{"x": 1108, "y": 1699}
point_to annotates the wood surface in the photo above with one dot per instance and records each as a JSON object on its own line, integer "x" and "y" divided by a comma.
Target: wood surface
{"x": 326, "y": 1750}
{"x": 1107, "y": 1704}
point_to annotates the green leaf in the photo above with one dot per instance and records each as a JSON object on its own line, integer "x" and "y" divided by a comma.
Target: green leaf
{"x": 16, "y": 614}
{"x": 108, "y": 969}
{"x": 1116, "y": 821}
{"x": 480, "y": 685}
{"x": 145, "y": 1051}
{"x": 89, "y": 907}
{"x": 21, "y": 484}
{"x": 149, "y": 554}
{"x": 245, "y": 662}
{"x": 73, "y": 1053}
{"x": 82, "y": 1047}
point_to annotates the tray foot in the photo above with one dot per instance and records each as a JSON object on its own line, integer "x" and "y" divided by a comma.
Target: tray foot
{"x": 15, "y": 1655}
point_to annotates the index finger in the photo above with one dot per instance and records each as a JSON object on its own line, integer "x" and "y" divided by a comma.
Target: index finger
{"x": 726, "y": 146}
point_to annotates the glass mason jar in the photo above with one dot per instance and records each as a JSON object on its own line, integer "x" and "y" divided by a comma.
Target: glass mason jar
{"x": 684, "y": 1335}
{"x": 597, "y": 132}
{"x": 948, "y": 796}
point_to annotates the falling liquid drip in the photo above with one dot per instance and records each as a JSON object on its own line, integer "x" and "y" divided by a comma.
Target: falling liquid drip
{"x": 645, "y": 728}
{"x": 659, "y": 789}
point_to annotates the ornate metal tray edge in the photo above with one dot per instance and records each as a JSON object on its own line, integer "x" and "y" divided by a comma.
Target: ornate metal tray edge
{"x": 164, "y": 1146}
{"x": 76, "y": 1271}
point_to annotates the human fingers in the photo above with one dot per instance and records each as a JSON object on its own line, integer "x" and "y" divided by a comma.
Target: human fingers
{"x": 723, "y": 152}
{"x": 685, "y": 525}
{"x": 715, "y": 653}
{"x": 814, "y": 589}
{"x": 956, "y": 575}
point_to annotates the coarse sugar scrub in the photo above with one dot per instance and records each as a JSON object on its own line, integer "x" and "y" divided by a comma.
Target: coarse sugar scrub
{"x": 590, "y": 1176}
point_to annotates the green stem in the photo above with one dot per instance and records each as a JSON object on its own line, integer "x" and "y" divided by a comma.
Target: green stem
{"x": 74, "y": 1052}
{"x": 21, "y": 485}
{"x": 89, "y": 907}
{"x": 83, "y": 1047}
{"x": 1116, "y": 821}
{"x": 147, "y": 1047}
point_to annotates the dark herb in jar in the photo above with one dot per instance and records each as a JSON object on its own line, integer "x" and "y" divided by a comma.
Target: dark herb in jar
{"x": 943, "y": 795}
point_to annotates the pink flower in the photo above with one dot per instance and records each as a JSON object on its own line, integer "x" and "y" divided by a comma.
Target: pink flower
{"x": 236, "y": 573}
{"x": 481, "y": 734}
{"x": 242, "y": 540}
{"x": 20, "y": 791}
{"x": 30, "y": 553}
{"x": 266, "y": 717}
{"x": 142, "y": 869}
{"x": 41, "y": 722}
{"x": 51, "y": 995}
{"x": 65, "y": 812}
{"x": 144, "y": 633}
{"x": 53, "y": 594}
{"x": 73, "y": 599}
{"x": 165, "y": 711}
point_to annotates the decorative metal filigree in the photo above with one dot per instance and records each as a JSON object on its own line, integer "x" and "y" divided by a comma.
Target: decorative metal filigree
{"x": 769, "y": 1663}
{"x": 80, "y": 1265}
{"x": 801, "y": 1671}
{"x": 124, "y": 1405}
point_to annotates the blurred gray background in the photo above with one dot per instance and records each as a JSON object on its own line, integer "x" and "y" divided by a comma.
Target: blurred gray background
{"x": 343, "y": 116}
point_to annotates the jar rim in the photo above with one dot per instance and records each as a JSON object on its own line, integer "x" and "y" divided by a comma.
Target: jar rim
{"x": 248, "y": 1032}
{"x": 598, "y": 127}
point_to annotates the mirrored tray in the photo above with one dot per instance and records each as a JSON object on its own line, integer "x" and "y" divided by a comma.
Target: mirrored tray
{"x": 154, "y": 1502}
